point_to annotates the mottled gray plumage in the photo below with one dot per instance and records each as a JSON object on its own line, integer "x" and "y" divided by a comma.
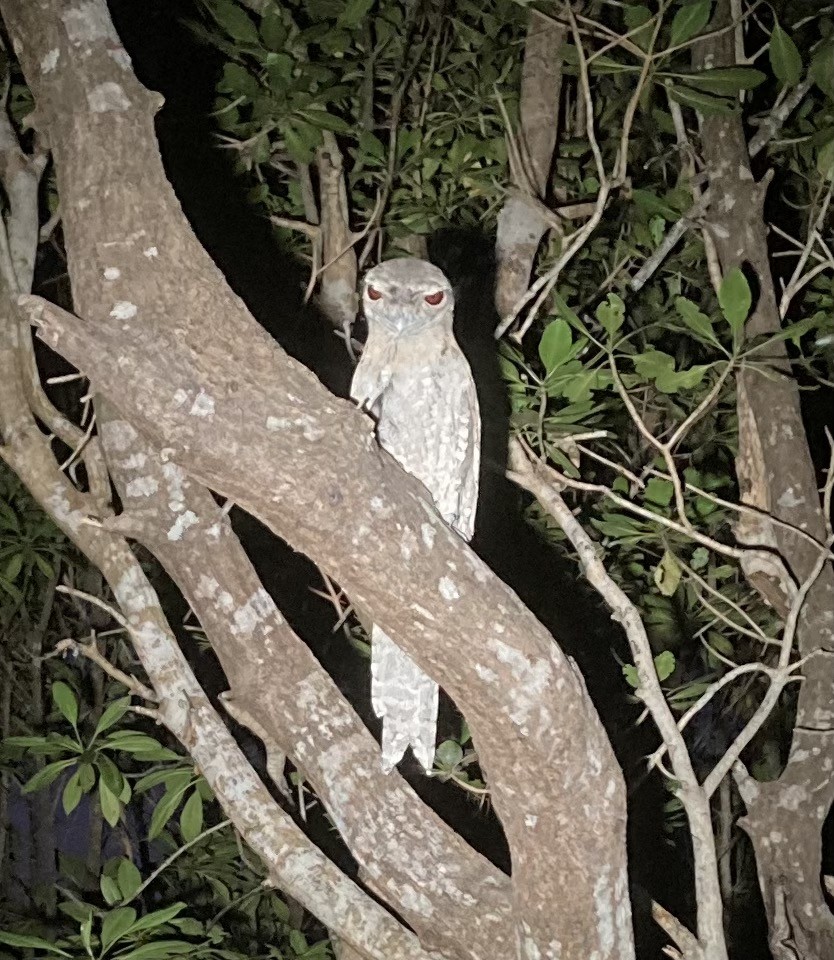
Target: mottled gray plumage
{"x": 414, "y": 379}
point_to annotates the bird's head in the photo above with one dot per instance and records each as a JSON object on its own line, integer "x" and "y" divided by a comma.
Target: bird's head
{"x": 407, "y": 297}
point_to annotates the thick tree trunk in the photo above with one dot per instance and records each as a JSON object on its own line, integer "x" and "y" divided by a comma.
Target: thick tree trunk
{"x": 521, "y": 223}
{"x": 167, "y": 342}
{"x": 776, "y": 474}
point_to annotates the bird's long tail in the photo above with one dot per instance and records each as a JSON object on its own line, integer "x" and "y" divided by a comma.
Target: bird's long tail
{"x": 405, "y": 699}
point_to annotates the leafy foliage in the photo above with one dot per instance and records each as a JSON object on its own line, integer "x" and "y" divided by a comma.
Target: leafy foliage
{"x": 410, "y": 93}
{"x": 168, "y": 877}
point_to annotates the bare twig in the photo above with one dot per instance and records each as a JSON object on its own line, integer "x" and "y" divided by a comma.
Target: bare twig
{"x": 92, "y": 653}
{"x": 799, "y": 278}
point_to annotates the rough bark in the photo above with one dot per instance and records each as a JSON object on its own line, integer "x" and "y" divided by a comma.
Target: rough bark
{"x": 293, "y": 862}
{"x": 337, "y": 296}
{"x": 168, "y": 343}
{"x": 296, "y": 865}
{"x": 399, "y": 843}
{"x": 776, "y": 474}
{"x": 521, "y": 225}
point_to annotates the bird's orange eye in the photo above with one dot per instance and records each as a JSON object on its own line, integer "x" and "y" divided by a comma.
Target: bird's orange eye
{"x": 434, "y": 299}
{"x": 374, "y": 294}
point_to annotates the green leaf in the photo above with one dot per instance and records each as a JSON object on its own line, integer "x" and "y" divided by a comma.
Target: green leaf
{"x": 25, "y": 940}
{"x": 279, "y": 68}
{"x": 566, "y": 313}
{"x": 14, "y": 566}
{"x": 157, "y": 917}
{"x": 85, "y": 932}
{"x": 653, "y": 363}
{"x": 173, "y": 779}
{"x": 683, "y": 379}
{"x": 109, "y": 889}
{"x": 689, "y": 21}
{"x": 273, "y": 31}
{"x": 631, "y": 676}
{"x": 238, "y": 80}
{"x": 465, "y": 735}
{"x": 191, "y": 818}
{"x": 822, "y": 68}
{"x": 636, "y": 17}
{"x": 650, "y": 203}
{"x": 667, "y": 576}
{"x": 702, "y": 102}
{"x": 727, "y": 81}
{"x": 234, "y": 20}
{"x": 784, "y": 57}
{"x": 618, "y": 525}
{"x": 371, "y": 145}
{"x": 659, "y": 491}
{"x": 134, "y": 742}
{"x": 555, "y": 344}
{"x": 49, "y": 774}
{"x": 579, "y": 387}
{"x": 159, "y": 950}
{"x": 611, "y": 314}
{"x": 664, "y": 664}
{"x": 111, "y": 809}
{"x": 40, "y": 746}
{"x": 298, "y": 942}
{"x": 720, "y": 643}
{"x": 354, "y": 12}
{"x": 326, "y": 121}
{"x": 657, "y": 228}
{"x": 600, "y": 64}
{"x": 735, "y": 300}
{"x": 163, "y": 812}
{"x": 112, "y": 715}
{"x": 65, "y": 701}
{"x": 80, "y": 912}
{"x": 129, "y": 878}
{"x": 301, "y": 140}
{"x": 109, "y": 773}
{"x": 71, "y": 796}
{"x": 699, "y": 323}
{"x": 449, "y": 753}
{"x": 825, "y": 160}
{"x": 115, "y": 924}
{"x": 12, "y": 590}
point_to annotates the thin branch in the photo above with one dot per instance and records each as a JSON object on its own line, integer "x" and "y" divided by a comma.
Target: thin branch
{"x": 621, "y": 163}
{"x": 779, "y": 679}
{"x": 799, "y": 278}
{"x": 754, "y": 631}
{"x": 90, "y": 651}
{"x": 559, "y": 480}
{"x": 178, "y": 853}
